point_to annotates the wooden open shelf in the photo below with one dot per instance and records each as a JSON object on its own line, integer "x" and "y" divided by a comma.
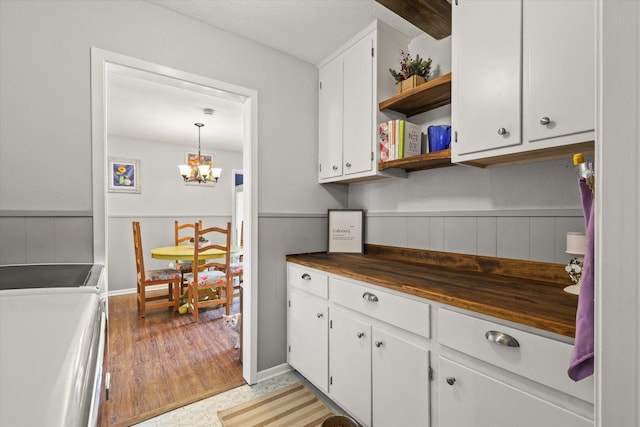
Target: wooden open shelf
{"x": 431, "y": 16}
{"x": 433, "y": 94}
{"x": 438, "y": 159}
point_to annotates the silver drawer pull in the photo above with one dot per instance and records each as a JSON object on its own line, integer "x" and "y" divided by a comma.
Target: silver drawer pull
{"x": 378, "y": 344}
{"x": 360, "y": 334}
{"x": 501, "y": 338}
{"x": 320, "y": 315}
{"x": 306, "y": 276}
{"x": 451, "y": 380}
{"x": 369, "y": 296}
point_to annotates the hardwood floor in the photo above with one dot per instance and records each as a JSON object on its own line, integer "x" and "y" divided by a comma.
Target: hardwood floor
{"x": 166, "y": 360}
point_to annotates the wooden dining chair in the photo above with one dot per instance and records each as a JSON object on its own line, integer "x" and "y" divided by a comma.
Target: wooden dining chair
{"x": 236, "y": 269}
{"x": 209, "y": 282}
{"x": 184, "y": 234}
{"x": 157, "y": 298}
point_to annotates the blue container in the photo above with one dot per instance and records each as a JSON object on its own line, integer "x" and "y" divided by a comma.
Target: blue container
{"x": 439, "y": 137}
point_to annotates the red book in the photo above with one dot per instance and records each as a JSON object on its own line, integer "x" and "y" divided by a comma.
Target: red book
{"x": 383, "y": 135}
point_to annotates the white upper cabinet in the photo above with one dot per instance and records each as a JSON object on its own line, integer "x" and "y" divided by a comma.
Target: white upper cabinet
{"x": 330, "y": 121}
{"x": 524, "y": 79}
{"x": 486, "y": 109}
{"x": 559, "y": 68}
{"x": 352, "y": 81}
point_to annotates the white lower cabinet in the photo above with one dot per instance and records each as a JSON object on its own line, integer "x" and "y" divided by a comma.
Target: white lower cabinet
{"x": 400, "y": 381}
{"x": 471, "y": 398}
{"x": 370, "y": 350}
{"x": 308, "y": 339}
{"x": 381, "y": 379}
{"x": 491, "y": 375}
{"x": 350, "y": 365}
{"x": 308, "y": 324}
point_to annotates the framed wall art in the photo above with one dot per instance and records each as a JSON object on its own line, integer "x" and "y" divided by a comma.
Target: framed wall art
{"x": 346, "y": 231}
{"x": 124, "y": 175}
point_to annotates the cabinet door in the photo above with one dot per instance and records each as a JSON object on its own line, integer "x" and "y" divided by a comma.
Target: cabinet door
{"x": 330, "y": 120}
{"x": 358, "y": 136}
{"x": 350, "y": 365}
{"x": 400, "y": 382}
{"x": 309, "y": 339}
{"x": 486, "y": 91}
{"x": 559, "y": 59}
{"x": 470, "y": 398}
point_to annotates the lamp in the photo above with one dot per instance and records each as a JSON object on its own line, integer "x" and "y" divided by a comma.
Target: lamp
{"x": 576, "y": 245}
{"x": 199, "y": 173}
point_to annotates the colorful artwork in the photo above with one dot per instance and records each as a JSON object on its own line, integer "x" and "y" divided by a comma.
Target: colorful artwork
{"x": 124, "y": 175}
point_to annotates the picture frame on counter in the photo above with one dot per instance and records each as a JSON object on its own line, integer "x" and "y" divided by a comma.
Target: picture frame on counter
{"x": 346, "y": 231}
{"x": 124, "y": 175}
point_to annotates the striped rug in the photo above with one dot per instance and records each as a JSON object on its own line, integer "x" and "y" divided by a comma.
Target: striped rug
{"x": 294, "y": 405}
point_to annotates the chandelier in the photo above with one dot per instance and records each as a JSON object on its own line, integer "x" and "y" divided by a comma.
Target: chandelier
{"x": 198, "y": 172}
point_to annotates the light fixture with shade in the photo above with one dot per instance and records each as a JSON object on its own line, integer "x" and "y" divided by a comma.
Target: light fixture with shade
{"x": 198, "y": 172}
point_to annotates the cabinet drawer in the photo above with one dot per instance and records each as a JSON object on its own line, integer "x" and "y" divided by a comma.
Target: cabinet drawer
{"x": 404, "y": 313}
{"x": 308, "y": 279}
{"x": 538, "y": 358}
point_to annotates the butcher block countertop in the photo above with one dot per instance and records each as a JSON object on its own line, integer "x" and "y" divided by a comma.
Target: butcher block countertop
{"x": 526, "y": 292}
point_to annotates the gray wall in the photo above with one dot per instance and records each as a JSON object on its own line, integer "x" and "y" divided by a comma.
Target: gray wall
{"x": 46, "y": 121}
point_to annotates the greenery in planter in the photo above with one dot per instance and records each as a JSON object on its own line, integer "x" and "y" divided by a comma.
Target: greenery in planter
{"x": 410, "y": 67}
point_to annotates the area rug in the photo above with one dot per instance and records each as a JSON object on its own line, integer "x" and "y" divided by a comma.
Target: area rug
{"x": 294, "y": 405}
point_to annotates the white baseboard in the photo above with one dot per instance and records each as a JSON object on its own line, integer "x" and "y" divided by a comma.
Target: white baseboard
{"x": 122, "y": 292}
{"x": 273, "y": 372}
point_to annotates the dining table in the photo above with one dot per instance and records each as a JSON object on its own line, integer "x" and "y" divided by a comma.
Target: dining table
{"x": 185, "y": 253}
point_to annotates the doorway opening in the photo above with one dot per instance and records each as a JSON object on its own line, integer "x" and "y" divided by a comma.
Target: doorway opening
{"x": 102, "y": 63}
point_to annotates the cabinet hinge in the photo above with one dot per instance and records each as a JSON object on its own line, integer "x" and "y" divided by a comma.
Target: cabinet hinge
{"x": 330, "y": 380}
{"x": 289, "y": 349}
{"x": 373, "y": 49}
{"x": 372, "y": 156}
{"x": 455, "y": 136}
{"x": 429, "y": 375}
{"x": 289, "y": 303}
{"x": 330, "y": 324}
{"x": 320, "y": 85}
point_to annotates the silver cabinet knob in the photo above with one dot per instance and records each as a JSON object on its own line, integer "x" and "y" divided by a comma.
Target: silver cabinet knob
{"x": 335, "y": 168}
{"x": 378, "y": 344}
{"x": 502, "y": 131}
{"x": 348, "y": 164}
{"x": 360, "y": 334}
{"x": 451, "y": 380}
{"x": 545, "y": 121}
{"x": 306, "y": 276}
{"x": 320, "y": 315}
{"x": 501, "y": 338}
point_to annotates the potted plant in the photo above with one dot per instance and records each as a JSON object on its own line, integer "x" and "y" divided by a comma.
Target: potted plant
{"x": 412, "y": 73}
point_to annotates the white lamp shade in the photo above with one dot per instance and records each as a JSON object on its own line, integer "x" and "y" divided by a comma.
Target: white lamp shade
{"x": 216, "y": 172}
{"x": 185, "y": 170}
{"x": 204, "y": 170}
{"x": 576, "y": 243}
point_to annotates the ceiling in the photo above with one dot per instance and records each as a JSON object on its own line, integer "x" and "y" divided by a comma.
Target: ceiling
{"x": 150, "y": 108}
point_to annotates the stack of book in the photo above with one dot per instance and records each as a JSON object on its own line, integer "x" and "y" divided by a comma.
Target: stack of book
{"x": 399, "y": 139}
